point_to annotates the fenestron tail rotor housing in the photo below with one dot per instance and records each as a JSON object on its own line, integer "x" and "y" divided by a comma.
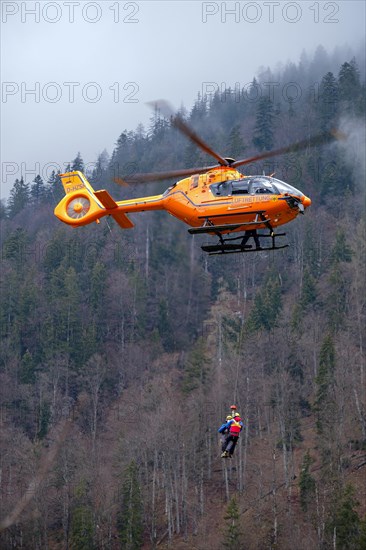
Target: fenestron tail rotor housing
{"x": 78, "y": 207}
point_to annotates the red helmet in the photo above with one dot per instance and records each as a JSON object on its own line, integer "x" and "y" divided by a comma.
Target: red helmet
{"x": 233, "y": 407}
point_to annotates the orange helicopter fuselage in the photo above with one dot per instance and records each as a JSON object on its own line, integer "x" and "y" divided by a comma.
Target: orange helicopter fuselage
{"x": 191, "y": 200}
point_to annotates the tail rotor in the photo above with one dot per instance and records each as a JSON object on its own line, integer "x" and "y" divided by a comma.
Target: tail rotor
{"x": 78, "y": 208}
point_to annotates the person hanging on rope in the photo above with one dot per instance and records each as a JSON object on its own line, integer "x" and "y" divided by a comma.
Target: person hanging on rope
{"x": 224, "y": 431}
{"x": 234, "y": 426}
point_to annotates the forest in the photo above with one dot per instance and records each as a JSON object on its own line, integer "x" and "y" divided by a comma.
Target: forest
{"x": 122, "y": 351}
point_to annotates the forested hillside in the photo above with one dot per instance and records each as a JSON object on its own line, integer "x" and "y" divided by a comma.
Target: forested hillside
{"x": 122, "y": 351}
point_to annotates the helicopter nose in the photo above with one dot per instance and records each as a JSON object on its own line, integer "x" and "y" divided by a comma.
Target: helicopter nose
{"x": 306, "y": 201}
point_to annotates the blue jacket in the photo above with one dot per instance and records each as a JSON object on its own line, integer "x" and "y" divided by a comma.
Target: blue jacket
{"x": 226, "y": 426}
{"x": 223, "y": 428}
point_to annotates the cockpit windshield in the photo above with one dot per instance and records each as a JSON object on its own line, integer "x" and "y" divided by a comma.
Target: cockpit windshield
{"x": 286, "y": 188}
{"x": 253, "y": 185}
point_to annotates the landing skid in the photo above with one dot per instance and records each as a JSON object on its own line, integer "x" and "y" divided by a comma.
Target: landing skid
{"x": 226, "y": 247}
{"x": 236, "y": 249}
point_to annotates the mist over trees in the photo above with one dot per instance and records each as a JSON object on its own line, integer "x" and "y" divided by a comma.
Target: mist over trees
{"x": 121, "y": 351}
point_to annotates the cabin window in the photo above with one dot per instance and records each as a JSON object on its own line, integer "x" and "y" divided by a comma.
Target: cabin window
{"x": 230, "y": 187}
{"x": 222, "y": 189}
{"x": 240, "y": 187}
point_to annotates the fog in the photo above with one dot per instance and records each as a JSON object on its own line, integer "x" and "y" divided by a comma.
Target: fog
{"x": 76, "y": 74}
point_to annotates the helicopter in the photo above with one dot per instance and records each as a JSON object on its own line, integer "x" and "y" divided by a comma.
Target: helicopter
{"x": 215, "y": 200}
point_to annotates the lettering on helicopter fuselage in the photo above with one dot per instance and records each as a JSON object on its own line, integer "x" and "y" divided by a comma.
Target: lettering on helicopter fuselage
{"x": 250, "y": 199}
{"x": 74, "y": 188}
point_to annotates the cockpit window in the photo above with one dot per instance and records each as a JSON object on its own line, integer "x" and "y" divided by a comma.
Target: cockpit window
{"x": 261, "y": 186}
{"x": 253, "y": 185}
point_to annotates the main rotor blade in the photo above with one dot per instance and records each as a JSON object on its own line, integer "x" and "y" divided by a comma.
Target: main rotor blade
{"x": 178, "y": 122}
{"x": 160, "y": 176}
{"x": 319, "y": 139}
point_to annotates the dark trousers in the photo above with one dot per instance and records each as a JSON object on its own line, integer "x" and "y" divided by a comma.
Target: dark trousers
{"x": 224, "y": 441}
{"x": 231, "y": 442}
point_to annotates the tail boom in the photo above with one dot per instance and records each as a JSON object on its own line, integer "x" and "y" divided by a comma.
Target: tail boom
{"x": 82, "y": 205}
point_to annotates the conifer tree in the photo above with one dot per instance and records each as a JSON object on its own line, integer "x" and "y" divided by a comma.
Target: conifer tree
{"x": 306, "y": 483}
{"x": 14, "y": 247}
{"x": 130, "y": 517}
{"x": 235, "y": 144}
{"x": 266, "y": 308}
{"x": 349, "y": 83}
{"x": 256, "y": 317}
{"x": 337, "y": 298}
{"x": 158, "y": 125}
{"x": 341, "y": 251}
{"x": 164, "y": 325}
{"x": 54, "y": 189}
{"x": 98, "y": 286}
{"x": 19, "y": 197}
{"x": 195, "y": 368}
{"x": 81, "y": 529}
{"x": 336, "y": 176}
{"x": 328, "y": 101}
{"x": 44, "y": 419}
{"x": 199, "y": 109}
{"x": 78, "y": 163}
{"x": 308, "y": 291}
{"x": 344, "y": 527}
{"x": 254, "y": 91}
{"x": 38, "y": 190}
{"x": 121, "y": 145}
{"x": 324, "y": 401}
{"x": 263, "y": 131}
{"x": 3, "y": 213}
{"x": 27, "y": 369}
{"x": 101, "y": 167}
{"x": 311, "y": 252}
{"x": 233, "y": 536}
{"x": 307, "y": 297}
{"x": 65, "y": 293}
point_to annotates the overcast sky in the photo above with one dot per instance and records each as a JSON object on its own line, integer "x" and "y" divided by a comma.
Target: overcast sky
{"x": 75, "y": 74}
